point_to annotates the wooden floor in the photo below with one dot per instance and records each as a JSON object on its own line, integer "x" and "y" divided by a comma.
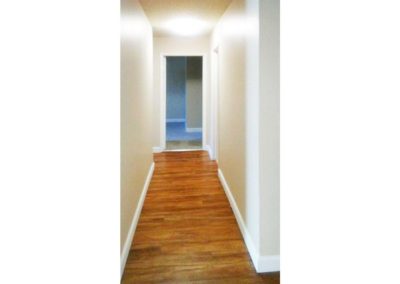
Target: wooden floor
{"x": 187, "y": 231}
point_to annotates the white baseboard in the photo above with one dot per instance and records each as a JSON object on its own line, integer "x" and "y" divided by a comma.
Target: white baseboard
{"x": 189, "y": 129}
{"x": 269, "y": 263}
{"x": 158, "y": 149}
{"x": 176, "y": 120}
{"x": 246, "y": 235}
{"x": 132, "y": 229}
{"x": 261, "y": 263}
{"x": 209, "y": 150}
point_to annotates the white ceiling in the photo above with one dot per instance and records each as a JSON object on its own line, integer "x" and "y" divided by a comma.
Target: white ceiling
{"x": 161, "y": 12}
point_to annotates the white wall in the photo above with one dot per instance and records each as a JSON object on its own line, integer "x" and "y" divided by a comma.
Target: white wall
{"x": 269, "y": 127}
{"x": 176, "y": 46}
{"x": 252, "y": 119}
{"x": 248, "y": 120}
{"x": 136, "y": 108}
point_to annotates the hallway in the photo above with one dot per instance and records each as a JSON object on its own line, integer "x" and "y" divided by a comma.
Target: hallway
{"x": 187, "y": 231}
{"x": 200, "y": 215}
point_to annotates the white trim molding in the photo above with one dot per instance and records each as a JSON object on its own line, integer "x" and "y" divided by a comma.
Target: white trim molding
{"x": 261, "y": 263}
{"x": 132, "y": 229}
{"x": 269, "y": 263}
{"x": 189, "y": 129}
{"x": 158, "y": 149}
{"x": 246, "y": 235}
{"x": 209, "y": 150}
{"x": 176, "y": 120}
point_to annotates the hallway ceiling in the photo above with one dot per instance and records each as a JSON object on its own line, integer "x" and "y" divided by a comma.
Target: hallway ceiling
{"x": 167, "y": 15}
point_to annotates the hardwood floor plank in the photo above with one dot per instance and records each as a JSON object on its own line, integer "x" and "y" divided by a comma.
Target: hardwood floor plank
{"x": 187, "y": 232}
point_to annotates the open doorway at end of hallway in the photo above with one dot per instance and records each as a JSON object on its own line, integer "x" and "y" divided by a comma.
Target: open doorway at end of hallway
{"x": 184, "y": 103}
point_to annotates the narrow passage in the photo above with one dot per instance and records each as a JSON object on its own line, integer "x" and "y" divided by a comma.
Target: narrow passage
{"x": 187, "y": 231}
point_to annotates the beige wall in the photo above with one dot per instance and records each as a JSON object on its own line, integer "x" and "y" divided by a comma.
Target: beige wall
{"x": 231, "y": 102}
{"x": 194, "y": 88}
{"x": 136, "y": 108}
{"x": 193, "y": 103}
{"x": 248, "y": 115}
{"x": 176, "y": 46}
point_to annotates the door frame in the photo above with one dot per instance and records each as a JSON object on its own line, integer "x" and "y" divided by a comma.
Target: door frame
{"x": 163, "y": 96}
{"x": 214, "y": 95}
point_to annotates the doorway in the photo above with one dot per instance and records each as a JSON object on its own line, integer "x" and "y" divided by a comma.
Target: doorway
{"x": 184, "y": 103}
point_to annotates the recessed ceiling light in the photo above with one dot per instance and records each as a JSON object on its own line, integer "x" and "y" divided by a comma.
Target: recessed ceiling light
{"x": 186, "y": 26}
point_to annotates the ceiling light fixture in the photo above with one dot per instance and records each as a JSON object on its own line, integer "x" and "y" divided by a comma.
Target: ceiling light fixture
{"x": 186, "y": 26}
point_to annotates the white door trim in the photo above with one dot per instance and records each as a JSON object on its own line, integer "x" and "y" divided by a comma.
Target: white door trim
{"x": 215, "y": 77}
{"x": 163, "y": 94}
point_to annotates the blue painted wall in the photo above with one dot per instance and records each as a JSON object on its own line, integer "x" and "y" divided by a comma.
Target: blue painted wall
{"x": 176, "y": 87}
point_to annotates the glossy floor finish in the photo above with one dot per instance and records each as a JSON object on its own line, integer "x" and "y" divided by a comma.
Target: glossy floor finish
{"x": 187, "y": 232}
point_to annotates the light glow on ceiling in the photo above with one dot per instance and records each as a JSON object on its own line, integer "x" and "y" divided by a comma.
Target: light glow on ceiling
{"x": 186, "y": 26}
